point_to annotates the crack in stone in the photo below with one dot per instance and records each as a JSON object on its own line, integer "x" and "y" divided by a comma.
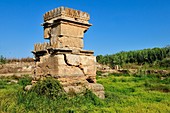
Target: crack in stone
{"x": 79, "y": 66}
{"x": 65, "y": 59}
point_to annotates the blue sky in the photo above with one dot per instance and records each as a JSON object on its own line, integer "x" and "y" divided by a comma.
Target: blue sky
{"x": 118, "y": 25}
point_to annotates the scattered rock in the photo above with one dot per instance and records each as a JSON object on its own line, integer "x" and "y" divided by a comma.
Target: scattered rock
{"x": 28, "y": 87}
{"x": 14, "y": 81}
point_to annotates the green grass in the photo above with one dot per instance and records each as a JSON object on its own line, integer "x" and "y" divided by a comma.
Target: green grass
{"x": 124, "y": 94}
{"x": 137, "y": 94}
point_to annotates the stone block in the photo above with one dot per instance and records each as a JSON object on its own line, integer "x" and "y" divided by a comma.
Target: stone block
{"x": 88, "y": 60}
{"x": 95, "y": 87}
{"x": 72, "y": 30}
{"x": 100, "y": 94}
{"x": 28, "y": 87}
{"x": 74, "y": 89}
{"x": 47, "y": 33}
{"x": 89, "y": 70}
{"x": 69, "y": 71}
{"x": 70, "y": 42}
{"x": 81, "y": 60}
{"x": 56, "y": 31}
{"x": 60, "y": 59}
{"x": 73, "y": 60}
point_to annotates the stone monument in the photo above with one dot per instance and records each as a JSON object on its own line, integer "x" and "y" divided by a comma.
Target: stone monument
{"x": 63, "y": 56}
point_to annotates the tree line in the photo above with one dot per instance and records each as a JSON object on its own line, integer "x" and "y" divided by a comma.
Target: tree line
{"x": 139, "y": 57}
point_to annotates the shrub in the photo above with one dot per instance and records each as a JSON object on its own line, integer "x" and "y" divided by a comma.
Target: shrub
{"x": 49, "y": 87}
{"x": 2, "y": 60}
{"x": 114, "y": 80}
{"x": 2, "y": 84}
{"x": 166, "y": 80}
{"x": 165, "y": 63}
{"x": 24, "y": 81}
{"x": 92, "y": 98}
{"x": 99, "y": 73}
{"x": 161, "y": 88}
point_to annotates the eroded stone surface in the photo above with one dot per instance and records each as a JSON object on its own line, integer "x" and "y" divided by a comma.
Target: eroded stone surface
{"x": 28, "y": 87}
{"x": 71, "y": 42}
{"x": 73, "y": 60}
{"x": 80, "y": 60}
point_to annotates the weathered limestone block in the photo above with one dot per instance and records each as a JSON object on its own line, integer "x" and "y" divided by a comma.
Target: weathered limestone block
{"x": 72, "y": 30}
{"x": 71, "y": 42}
{"x": 89, "y": 70}
{"x": 67, "y": 42}
{"x": 76, "y": 80}
{"x": 69, "y": 70}
{"x": 53, "y": 60}
{"x": 28, "y": 87}
{"x": 100, "y": 94}
{"x": 95, "y": 87}
{"x": 98, "y": 89}
{"x": 48, "y": 65}
{"x": 86, "y": 63}
{"x": 81, "y": 60}
{"x": 88, "y": 60}
{"x": 73, "y": 60}
{"x": 56, "y": 31}
{"x": 74, "y": 89}
{"x": 47, "y": 33}
{"x": 60, "y": 59}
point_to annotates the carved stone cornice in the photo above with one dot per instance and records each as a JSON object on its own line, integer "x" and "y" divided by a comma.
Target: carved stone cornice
{"x": 66, "y": 12}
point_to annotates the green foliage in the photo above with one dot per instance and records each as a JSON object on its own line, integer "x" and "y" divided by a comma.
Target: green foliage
{"x": 138, "y": 93}
{"x": 2, "y": 84}
{"x": 99, "y": 73}
{"x": 49, "y": 87}
{"x": 3, "y": 60}
{"x": 165, "y": 63}
{"x": 146, "y": 56}
{"x": 25, "y": 80}
{"x": 132, "y": 93}
{"x": 90, "y": 97}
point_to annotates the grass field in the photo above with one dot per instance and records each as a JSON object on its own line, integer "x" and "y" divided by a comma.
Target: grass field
{"x": 124, "y": 94}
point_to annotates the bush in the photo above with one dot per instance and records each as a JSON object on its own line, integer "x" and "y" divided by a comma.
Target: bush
{"x": 2, "y": 60}
{"x": 165, "y": 63}
{"x": 24, "y": 81}
{"x": 49, "y": 87}
{"x": 92, "y": 98}
{"x": 99, "y": 73}
{"x": 161, "y": 88}
{"x": 2, "y": 84}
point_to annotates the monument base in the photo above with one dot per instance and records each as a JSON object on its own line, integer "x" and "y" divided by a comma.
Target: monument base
{"x": 75, "y": 69}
